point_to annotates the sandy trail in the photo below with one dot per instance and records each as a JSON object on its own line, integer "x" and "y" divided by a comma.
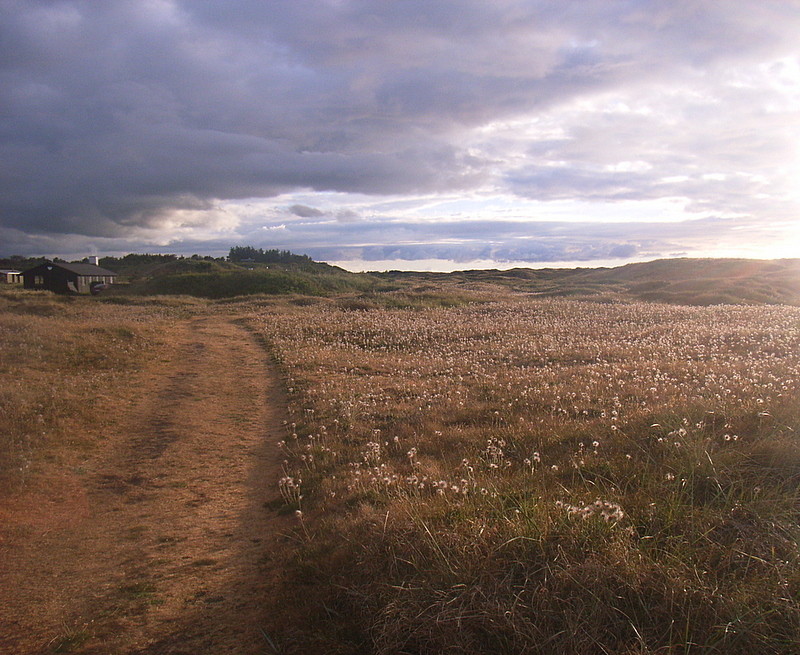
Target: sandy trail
{"x": 163, "y": 541}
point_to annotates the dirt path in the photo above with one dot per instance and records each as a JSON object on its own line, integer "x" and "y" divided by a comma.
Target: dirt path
{"x": 163, "y": 540}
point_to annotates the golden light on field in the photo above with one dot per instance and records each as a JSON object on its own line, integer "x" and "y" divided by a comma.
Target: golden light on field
{"x": 497, "y": 447}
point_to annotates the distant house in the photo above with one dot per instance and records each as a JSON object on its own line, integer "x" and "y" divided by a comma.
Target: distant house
{"x": 68, "y": 278}
{"x": 10, "y": 276}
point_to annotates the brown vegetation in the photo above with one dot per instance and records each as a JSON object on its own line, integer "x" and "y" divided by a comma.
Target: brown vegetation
{"x": 544, "y": 476}
{"x": 471, "y": 465}
{"x": 139, "y": 475}
{"x": 62, "y": 361}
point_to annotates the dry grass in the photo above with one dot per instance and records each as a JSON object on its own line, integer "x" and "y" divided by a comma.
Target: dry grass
{"x": 63, "y": 362}
{"x": 544, "y": 476}
{"x": 525, "y": 476}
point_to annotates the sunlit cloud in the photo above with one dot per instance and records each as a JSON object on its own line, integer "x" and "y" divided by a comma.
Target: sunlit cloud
{"x": 457, "y": 131}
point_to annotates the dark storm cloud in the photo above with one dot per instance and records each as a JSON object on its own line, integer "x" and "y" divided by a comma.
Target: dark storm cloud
{"x": 117, "y": 112}
{"x": 115, "y": 115}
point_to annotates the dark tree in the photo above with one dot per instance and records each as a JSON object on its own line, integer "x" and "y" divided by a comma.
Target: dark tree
{"x": 241, "y": 253}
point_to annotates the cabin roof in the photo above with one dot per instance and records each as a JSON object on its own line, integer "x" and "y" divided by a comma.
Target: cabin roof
{"x": 78, "y": 269}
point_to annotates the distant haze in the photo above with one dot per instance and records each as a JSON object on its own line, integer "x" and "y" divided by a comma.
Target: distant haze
{"x": 445, "y": 134}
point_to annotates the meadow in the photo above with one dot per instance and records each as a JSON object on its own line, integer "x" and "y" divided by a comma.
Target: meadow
{"x": 541, "y": 476}
{"x": 65, "y": 366}
{"x": 470, "y": 468}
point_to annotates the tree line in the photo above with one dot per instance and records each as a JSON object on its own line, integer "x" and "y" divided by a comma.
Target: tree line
{"x": 242, "y": 253}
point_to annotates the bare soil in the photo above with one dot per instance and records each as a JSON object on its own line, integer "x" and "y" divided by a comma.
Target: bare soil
{"x": 162, "y": 539}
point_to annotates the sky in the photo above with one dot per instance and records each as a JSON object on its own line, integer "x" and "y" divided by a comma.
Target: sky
{"x": 404, "y": 134}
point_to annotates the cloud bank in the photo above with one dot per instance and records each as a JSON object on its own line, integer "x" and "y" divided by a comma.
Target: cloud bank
{"x": 162, "y": 123}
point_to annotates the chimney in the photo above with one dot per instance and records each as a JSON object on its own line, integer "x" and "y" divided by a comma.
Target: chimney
{"x": 94, "y": 259}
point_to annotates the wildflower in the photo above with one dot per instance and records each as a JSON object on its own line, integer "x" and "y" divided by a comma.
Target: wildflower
{"x": 606, "y": 510}
{"x": 372, "y": 452}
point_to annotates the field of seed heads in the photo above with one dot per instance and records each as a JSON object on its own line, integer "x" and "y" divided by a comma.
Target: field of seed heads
{"x": 530, "y": 422}
{"x": 450, "y": 384}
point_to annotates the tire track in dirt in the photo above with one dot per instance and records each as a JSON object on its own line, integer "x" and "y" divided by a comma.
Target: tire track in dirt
{"x": 169, "y": 546}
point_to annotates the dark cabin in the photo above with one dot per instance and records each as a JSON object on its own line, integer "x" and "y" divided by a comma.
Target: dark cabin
{"x": 67, "y": 278}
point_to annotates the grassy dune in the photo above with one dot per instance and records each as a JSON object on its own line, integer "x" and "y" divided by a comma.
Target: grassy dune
{"x": 676, "y": 281}
{"x": 700, "y": 282}
{"x": 221, "y": 279}
{"x": 542, "y": 476}
{"x": 228, "y": 284}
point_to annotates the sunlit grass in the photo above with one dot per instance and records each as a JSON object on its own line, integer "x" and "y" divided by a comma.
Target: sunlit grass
{"x": 545, "y": 476}
{"x": 62, "y": 361}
